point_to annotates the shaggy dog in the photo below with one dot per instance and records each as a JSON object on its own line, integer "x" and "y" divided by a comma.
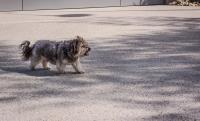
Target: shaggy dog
{"x": 57, "y": 53}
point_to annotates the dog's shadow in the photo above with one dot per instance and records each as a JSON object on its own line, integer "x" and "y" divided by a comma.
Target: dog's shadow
{"x": 39, "y": 72}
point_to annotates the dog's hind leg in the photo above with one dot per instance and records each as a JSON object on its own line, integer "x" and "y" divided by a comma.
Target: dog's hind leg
{"x": 45, "y": 64}
{"x": 60, "y": 67}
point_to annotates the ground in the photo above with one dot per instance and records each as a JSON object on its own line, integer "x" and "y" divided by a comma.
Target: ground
{"x": 144, "y": 65}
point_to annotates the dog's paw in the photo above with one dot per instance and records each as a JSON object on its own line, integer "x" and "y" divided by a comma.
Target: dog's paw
{"x": 47, "y": 68}
{"x": 32, "y": 69}
{"x": 80, "y": 72}
{"x": 62, "y": 72}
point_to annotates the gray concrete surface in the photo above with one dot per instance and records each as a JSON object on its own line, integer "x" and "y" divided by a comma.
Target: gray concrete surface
{"x": 144, "y": 65}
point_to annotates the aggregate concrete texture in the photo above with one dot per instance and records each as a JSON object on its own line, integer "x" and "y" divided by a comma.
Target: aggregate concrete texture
{"x": 144, "y": 65}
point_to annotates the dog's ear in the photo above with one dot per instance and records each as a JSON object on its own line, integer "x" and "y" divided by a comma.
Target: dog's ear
{"x": 79, "y": 37}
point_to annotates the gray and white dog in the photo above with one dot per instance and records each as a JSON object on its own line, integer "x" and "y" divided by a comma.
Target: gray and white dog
{"x": 57, "y": 53}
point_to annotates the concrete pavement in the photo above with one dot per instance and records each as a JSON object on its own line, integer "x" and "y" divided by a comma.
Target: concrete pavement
{"x": 144, "y": 65}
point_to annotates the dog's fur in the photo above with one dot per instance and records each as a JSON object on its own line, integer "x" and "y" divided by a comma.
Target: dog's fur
{"x": 57, "y": 53}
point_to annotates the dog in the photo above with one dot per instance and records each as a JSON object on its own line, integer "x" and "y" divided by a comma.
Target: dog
{"x": 60, "y": 53}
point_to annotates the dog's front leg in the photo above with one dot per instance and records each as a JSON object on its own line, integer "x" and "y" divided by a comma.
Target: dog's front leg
{"x": 77, "y": 67}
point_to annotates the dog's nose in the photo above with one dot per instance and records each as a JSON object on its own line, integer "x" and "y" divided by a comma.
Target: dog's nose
{"x": 89, "y": 49}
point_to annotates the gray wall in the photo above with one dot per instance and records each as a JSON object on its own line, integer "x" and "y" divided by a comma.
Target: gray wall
{"x": 130, "y": 2}
{"x": 55, "y": 4}
{"x": 152, "y": 2}
{"x": 7, "y": 5}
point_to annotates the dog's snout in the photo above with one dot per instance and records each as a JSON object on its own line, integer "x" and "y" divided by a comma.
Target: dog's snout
{"x": 89, "y": 49}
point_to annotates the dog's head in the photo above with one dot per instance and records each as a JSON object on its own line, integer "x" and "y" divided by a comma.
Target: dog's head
{"x": 79, "y": 47}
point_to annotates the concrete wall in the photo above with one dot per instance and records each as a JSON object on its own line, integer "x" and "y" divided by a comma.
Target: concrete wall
{"x": 152, "y": 2}
{"x": 55, "y": 4}
{"x": 7, "y": 5}
{"x": 142, "y": 2}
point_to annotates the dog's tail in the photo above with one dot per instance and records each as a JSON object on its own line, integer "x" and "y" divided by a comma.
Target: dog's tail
{"x": 26, "y": 50}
